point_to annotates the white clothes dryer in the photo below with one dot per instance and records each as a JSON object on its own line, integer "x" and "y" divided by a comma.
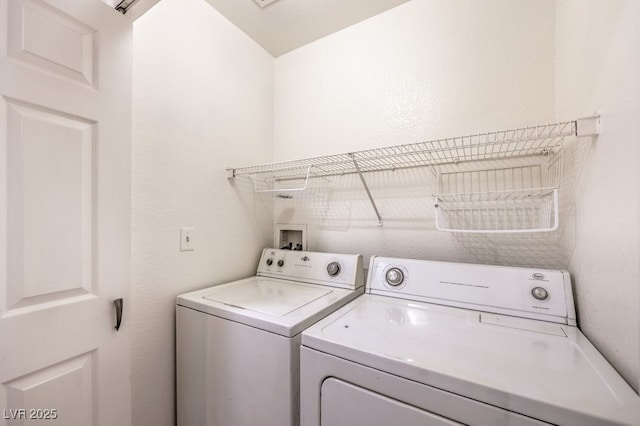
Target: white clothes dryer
{"x": 238, "y": 344}
{"x": 436, "y": 343}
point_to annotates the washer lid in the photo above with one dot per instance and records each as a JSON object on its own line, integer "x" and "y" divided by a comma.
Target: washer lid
{"x": 270, "y": 297}
{"x": 279, "y": 306}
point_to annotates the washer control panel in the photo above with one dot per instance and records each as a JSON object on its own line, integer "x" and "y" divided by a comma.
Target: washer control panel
{"x": 338, "y": 270}
{"x": 523, "y": 292}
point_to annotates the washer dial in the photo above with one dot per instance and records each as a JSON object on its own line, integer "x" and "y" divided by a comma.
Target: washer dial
{"x": 333, "y": 269}
{"x": 281, "y": 263}
{"x": 394, "y": 277}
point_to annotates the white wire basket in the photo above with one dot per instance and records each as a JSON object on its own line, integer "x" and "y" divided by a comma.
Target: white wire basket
{"x": 517, "y": 199}
{"x": 530, "y": 210}
{"x": 291, "y": 183}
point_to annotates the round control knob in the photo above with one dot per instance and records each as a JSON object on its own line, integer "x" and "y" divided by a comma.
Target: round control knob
{"x": 394, "y": 277}
{"x": 540, "y": 293}
{"x": 280, "y": 263}
{"x": 269, "y": 261}
{"x": 333, "y": 269}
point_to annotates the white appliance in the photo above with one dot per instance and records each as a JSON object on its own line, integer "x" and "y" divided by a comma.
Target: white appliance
{"x": 238, "y": 344}
{"x": 435, "y": 343}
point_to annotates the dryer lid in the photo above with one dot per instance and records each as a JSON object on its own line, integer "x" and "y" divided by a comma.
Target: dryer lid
{"x": 522, "y": 365}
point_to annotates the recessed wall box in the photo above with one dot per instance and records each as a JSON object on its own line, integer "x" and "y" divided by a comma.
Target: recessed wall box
{"x": 291, "y": 237}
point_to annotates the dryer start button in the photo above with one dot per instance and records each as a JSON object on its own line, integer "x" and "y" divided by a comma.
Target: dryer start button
{"x": 540, "y": 293}
{"x": 394, "y": 277}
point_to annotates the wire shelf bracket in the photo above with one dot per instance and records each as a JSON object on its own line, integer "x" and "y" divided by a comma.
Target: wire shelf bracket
{"x": 366, "y": 188}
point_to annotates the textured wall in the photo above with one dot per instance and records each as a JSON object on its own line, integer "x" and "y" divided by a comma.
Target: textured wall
{"x": 597, "y": 68}
{"x": 423, "y": 70}
{"x": 431, "y": 69}
{"x": 202, "y": 101}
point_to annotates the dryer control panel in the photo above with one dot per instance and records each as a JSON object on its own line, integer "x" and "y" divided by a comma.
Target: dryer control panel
{"x": 523, "y": 292}
{"x": 332, "y": 269}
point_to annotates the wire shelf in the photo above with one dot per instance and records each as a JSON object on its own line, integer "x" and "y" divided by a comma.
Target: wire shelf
{"x": 514, "y": 199}
{"x": 536, "y": 140}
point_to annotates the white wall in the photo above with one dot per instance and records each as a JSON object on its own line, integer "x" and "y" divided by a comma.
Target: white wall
{"x": 422, "y": 70}
{"x": 426, "y": 69}
{"x": 430, "y": 69}
{"x": 598, "y": 68}
{"x": 202, "y": 101}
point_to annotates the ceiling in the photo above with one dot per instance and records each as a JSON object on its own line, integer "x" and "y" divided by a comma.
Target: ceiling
{"x": 283, "y": 25}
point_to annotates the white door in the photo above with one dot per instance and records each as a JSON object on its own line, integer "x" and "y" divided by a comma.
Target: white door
{"x": 65, "y": 112}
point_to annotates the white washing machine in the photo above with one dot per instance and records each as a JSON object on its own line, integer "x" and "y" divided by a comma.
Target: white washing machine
{"x": 238, "y": 344}
{"x": 435, "y": 343}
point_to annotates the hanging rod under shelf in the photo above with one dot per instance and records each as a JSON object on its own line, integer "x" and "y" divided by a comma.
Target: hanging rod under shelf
{"x": 527, "y": 141}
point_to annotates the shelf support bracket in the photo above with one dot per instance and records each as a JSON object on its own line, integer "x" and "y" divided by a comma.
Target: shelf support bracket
{"x": 366, "y": 188}
{"x": 588, "y": 126}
